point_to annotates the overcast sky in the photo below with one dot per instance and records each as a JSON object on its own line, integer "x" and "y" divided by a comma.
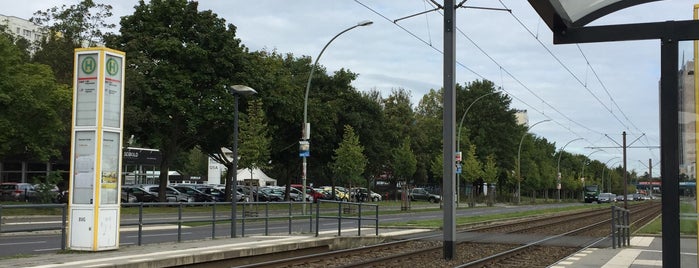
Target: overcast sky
{"x": 590, "y": 91}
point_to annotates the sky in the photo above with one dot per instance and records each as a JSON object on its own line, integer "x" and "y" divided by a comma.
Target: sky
{"x": 590, "y": 92}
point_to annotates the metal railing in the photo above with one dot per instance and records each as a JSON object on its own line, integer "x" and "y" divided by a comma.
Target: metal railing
{"x": 63, "y": 226}
{"x": 621, "y": 234}
{"x": 250, "y": 212}
{"x": 350, "y": 208}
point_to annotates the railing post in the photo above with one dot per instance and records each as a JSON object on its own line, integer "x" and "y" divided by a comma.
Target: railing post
{"x": 339, "y": 218}
{"x": 140, "y": 223}
{"x": 64, "y": 225}
{"x": 0, "y": 218}
{"x": 242, "y": 230}
{"x": 233, "y": 218}
{"x": 267, "y": 218}
{"x": 179, "y": 222}
{"x": 213, "y": 221}
{"x": 318, "y": 217}
{"x": 376, "y": 216}
{"x": 613, "y": 227}
{"x": 310, "y": 218}
{"x": 359, "y": 220}
{"x": 290, "y": 216}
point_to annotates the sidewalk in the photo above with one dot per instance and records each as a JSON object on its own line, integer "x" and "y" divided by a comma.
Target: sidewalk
{"x": 644, "y": 252}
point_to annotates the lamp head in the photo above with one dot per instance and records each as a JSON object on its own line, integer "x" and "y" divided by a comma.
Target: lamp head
{"x": 365, "y": 23}
{"x": 242, "y": 90}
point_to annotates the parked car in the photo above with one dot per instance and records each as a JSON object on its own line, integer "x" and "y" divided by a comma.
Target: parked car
{"x": 196, "y": 194}
{"x": 423, "y": 194}
{"x": 339, "y": 194}
{"x": 360, "y": 194}
{"x": 173, "y": 195}
{"x": 141, "y": 194}
{"x": 374, "y": 196}
{"x": 606, "y": 198}
{"x": 312, "y": 194}
{"x": 265, "y": 194}
{"x": 17, "y": 191}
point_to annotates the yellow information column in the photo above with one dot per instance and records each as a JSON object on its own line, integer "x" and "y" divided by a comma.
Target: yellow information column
{"x": 95, "y": 166}
{"x": 696, "y": 119}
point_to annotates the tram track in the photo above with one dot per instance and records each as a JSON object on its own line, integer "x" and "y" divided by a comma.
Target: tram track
{"x": 528, "y": 243}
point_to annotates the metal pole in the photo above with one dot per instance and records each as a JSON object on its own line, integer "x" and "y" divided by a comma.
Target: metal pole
{"x": 305, "y": 130}
{"x": 519, "y": 153}
{"x": 458, "y": 141}
{"x": 669, "y": 148}
{"x": 449, "y": 116}
{"x": 234, "y": 180}
{"x": 558, "y": 168}
{"x": 626, "y": 190}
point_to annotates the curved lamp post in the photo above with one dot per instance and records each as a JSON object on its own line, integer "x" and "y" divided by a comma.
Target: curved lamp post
{"x": 237, "y": 91}
{"x": 609, "y": 181}
{"x": 609, "y": 188}
{"x": 458, "y": 141}
{"x": 306, "y": 128}
{"x": 519, "y": 153}
{"x": 558, "y": 168}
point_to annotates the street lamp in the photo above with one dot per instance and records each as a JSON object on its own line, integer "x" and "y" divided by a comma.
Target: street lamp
{"x": 609, "y": 181}
{"x": 458, "y": 141}
{"x": 609, "y": 187}
{"x": 519, "y": 153}
{"x": 304, "y": 146}
{"x": 567, "y": 19}
{"x": 558, "y": 168}
{"x": 232, "y": 186}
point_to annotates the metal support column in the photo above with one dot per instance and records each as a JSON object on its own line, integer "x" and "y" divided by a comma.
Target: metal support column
{"x": 669, "y": 148}
{"x": 449, "y": 135}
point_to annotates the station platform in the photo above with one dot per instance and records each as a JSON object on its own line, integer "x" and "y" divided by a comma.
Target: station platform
{"x": 192, "y": 252}
{"x": 644, "y": 252}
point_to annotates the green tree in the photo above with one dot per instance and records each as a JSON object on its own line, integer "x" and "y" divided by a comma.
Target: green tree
{"x": 437, "y": 166}
{"x": 32, "y": 106}
{"x": 427, "y": 139}
{"x": 490, "y": 174}
{"x": 193, "y": 163}
{"x": 471, "y": 170}
{"x": 67, "y": 28}
{"x": 179, "y": 61}
{"x": 254, "y": 139}
{"x": 490, "y": 170}
{"x": 349, "y": 160}
{"x": 404, "y": 162}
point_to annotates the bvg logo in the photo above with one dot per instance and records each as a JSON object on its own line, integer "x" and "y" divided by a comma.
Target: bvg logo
{"x": 89, "y": 65}
{"x": 112, "y": 67}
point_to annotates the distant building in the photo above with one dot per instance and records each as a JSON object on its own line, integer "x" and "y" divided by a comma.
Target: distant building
{"x": 687, "y": 120}
{"x": 522, "y": 117}
{"x": 22, "y": 28}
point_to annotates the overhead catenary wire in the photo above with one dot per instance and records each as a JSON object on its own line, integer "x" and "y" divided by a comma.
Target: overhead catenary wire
{"x": 564, "y": 126}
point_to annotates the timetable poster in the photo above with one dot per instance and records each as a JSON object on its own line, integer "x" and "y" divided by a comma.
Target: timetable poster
{"x": 86, "y": 90}
{"x": 84, "y": 167}
{"x": 112, "y": 91}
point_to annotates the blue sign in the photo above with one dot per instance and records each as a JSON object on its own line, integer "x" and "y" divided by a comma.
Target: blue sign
{"x": 458, "y": 169}
{"x": 304, "y": 153}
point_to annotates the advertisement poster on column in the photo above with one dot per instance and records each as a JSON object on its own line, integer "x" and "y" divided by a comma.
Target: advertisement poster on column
{"x": 110, "y": 168}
